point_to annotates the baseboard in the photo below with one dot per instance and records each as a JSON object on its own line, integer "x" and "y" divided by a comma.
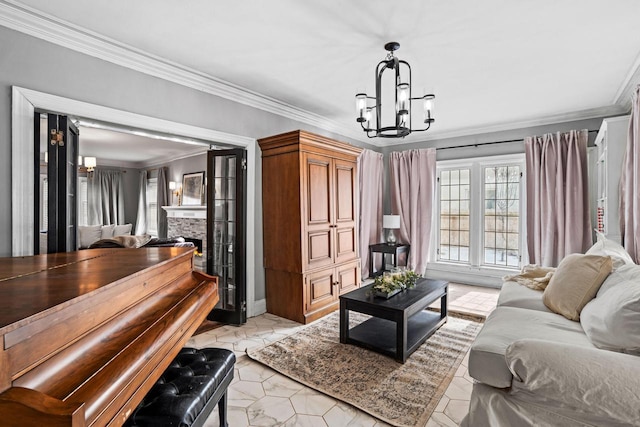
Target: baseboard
{"x": 259, "y": 307}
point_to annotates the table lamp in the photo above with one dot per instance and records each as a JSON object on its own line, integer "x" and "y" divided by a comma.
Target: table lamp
{"x": 390, "y": 223}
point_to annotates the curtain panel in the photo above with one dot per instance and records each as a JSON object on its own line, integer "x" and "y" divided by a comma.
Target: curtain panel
{"x": 141, "y": 220}
{"x": 412, "y": 181}
{"x": 105, "y": 197}
{"x": 630, "y": 184}
{"x": 558, "y": 220}
{"x": 370, "y": 171}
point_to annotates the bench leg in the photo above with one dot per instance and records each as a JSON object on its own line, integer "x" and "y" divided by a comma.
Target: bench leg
{"x": 222, "y": 410}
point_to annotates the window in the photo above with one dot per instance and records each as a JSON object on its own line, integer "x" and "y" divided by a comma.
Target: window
{"x": 454, "y": 215}
{"x": 480, "y": 212}
{"x": 44, "y": 203}
{"x": 152, "y": 206}
{"x": 502, "y": 216}
{"x": 83, "y": 204}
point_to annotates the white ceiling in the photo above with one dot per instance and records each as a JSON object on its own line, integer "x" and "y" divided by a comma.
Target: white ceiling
{"x": 492, "y": 64}
{"x": 114, "y": 145}
{"x": 126, "y": 149}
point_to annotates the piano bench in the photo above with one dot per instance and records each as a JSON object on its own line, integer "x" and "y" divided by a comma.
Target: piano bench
{"x": 188, "y": 390}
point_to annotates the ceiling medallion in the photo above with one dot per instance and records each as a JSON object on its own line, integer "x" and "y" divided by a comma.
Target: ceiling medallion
{"x": 402, "y": 103}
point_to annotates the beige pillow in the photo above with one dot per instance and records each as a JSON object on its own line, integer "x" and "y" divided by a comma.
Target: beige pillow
{"x": 575, "y": 283}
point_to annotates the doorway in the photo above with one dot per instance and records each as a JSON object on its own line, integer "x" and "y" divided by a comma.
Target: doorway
{"x": 24, "y": 103}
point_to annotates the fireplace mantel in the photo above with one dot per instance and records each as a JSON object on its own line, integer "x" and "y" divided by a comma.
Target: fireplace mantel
{"x": 186, "y": 211}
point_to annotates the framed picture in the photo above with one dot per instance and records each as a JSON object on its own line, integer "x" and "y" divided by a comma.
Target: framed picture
{"x": 192, "y": 188}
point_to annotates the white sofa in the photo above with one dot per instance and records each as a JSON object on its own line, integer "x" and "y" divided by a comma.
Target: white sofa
{"x": 89, "y": 234}
{"x": 533, "y": 367}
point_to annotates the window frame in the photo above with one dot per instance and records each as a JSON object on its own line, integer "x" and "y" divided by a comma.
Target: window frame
{"x": 476, "y": 265}
{"x": 152, "y": 231}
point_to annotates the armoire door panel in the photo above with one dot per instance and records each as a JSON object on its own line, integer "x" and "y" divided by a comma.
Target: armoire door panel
{"x": 345, "y": 188}
{"x": 321, "y": 289}
{"x": 318, "y": 191}
{"x": 345, "y": 244}
{"x": 319, "y": 249}
{"x": 348, "y": 277}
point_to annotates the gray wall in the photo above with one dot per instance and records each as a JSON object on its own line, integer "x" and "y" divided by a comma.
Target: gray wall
{"x": 35, "y": 64}
{"x": 177, "y": 168}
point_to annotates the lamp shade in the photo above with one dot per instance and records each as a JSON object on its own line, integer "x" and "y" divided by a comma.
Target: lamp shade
{"x": 172, "y": 185}
{"x": 90, "y": 162}
{"x": 391, "y": 221}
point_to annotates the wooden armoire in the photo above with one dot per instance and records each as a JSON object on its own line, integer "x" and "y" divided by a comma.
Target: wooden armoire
{"x": 310, "y": 223}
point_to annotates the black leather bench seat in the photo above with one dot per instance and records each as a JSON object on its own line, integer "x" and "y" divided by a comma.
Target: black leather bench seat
{"x": 188, "y": 390}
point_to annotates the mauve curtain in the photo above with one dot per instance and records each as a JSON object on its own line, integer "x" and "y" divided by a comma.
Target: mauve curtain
{"x": 558, "y": 221}
{"x": 163, "y": 200}
{"x": 105, "y": 197}
{"x": 141, "y": 220}
{"x": 412, "y": 181}
{"x": 630, "y": 184}
{"x": 370, "y": 177}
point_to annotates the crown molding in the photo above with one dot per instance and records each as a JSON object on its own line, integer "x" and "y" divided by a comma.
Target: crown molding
{"x": 593, "y": 113}
{"x": 626, "y": 89}
{"x": 33, "y": 22}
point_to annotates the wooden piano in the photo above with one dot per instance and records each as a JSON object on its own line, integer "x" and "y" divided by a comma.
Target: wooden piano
{"x": 86, "y": 334}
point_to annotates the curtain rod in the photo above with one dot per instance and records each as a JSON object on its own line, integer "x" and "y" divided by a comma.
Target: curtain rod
{"x": 489, "y": 143}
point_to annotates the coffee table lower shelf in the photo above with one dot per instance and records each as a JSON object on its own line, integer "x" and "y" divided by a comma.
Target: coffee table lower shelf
{"x": 380, "y": 334}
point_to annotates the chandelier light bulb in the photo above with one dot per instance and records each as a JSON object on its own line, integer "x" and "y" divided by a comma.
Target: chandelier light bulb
{"x": 429, "y": 103}
{"x": 361, "y": 106}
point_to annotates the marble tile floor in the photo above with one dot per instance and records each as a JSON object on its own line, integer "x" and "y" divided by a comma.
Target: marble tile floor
{"x": 259, "y": 396}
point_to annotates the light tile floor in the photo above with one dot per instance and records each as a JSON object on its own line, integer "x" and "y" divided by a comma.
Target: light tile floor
{"x": 259, "y": 396}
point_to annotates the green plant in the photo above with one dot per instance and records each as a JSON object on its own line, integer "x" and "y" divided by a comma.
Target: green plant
{"x": 390, "y": 282}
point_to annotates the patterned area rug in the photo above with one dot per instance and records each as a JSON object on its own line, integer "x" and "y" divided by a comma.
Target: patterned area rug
{"x": 401, "y": 395}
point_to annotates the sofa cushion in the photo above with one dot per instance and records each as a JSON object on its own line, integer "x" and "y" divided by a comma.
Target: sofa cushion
{"x": 606, "y": 247}
{"x": 612, "y": 319}
{"x": 88, "y": 234}
{"x": 122, "y": 230}
{"x": 515, "y": 295}
{"x": 107, "y": 231}
{"x": 506, "y": 325}
{"x": 575, "y": 283}
{"x": 586, "y": 381}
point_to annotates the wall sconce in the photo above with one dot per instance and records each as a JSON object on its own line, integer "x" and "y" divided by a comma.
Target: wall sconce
{"x": 90, "y": 163}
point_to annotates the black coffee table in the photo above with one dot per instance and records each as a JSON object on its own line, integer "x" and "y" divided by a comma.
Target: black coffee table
{"x": 400, "y": 324}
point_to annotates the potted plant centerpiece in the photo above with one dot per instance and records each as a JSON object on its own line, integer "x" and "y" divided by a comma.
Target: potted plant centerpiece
{"x": 390, "y": 283}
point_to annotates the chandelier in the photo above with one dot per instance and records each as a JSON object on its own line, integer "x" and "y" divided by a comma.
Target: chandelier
{"x": 396, "y": 116}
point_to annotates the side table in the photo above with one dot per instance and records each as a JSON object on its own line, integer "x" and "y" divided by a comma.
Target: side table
{"x": 385, "y": 248}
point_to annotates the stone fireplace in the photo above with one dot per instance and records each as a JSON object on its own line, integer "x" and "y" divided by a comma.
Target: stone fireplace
{"x": 189, "y": 222}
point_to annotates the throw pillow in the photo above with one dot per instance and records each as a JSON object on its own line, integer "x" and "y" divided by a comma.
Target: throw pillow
{"x": 107, "y": 231}
{"x": 606, "y": 247}
{"x": 575, "y": 283}
{"x": 89, "y": 234}
{"x": 612, "y": 319}
{"x": 122, "y": 230}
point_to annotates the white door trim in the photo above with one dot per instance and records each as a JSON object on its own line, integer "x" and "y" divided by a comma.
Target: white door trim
{"x": 25, "y": 101}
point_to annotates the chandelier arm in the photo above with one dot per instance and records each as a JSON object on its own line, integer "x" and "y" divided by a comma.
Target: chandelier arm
{"x": 422, "y": 130}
